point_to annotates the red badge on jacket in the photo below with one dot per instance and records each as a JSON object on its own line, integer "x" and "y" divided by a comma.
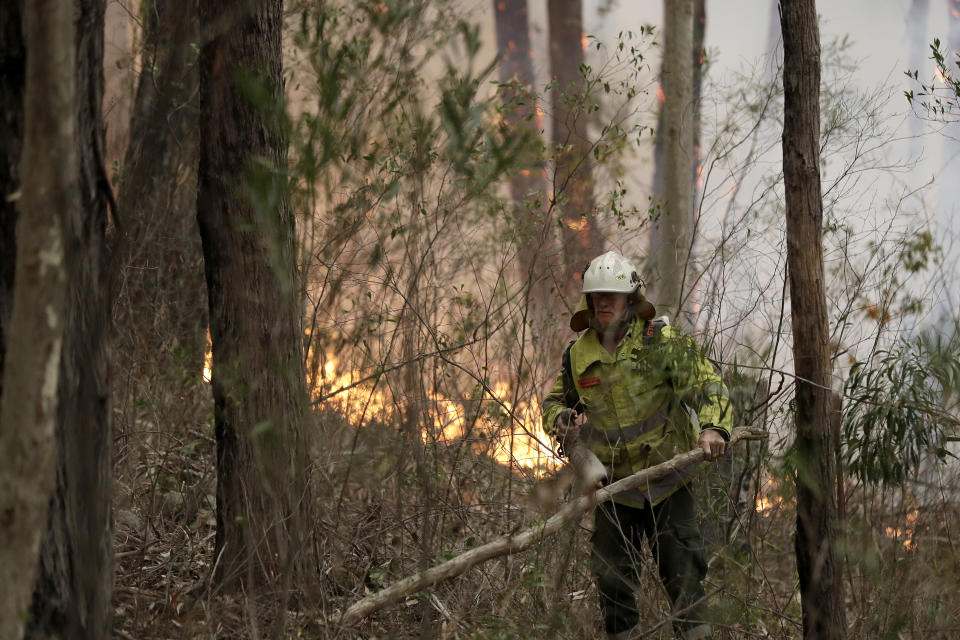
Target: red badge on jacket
{"x": 588, "y": 382}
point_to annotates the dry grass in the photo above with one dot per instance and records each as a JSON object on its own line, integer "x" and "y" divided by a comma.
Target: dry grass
{"x": 388, "y": 506}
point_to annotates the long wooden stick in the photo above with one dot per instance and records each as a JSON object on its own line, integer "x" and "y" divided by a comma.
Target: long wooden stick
{"x": 510, "y": 544}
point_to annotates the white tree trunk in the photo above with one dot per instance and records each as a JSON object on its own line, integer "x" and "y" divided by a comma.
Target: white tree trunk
{"x": 675, "y": 220}
{"x": 50, "y": 174}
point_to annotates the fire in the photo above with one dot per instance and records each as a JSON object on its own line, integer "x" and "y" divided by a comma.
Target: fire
{"x": 906, "y": 533}
{"x": 208, "y": 360}
{"x": 767, "y": 501}
{"x": 896, "y": 533}
{"x": 520, "y": 444}
{"x": 577, "y": 225}
{"x": 661, "y": 97}
{"x": 358, "y": 402}
{"x": 767, "y": 505}
{"x": 584, "y": 42}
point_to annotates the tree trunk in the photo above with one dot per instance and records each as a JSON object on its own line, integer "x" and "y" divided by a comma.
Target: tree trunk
{"x": 35, "y": 333}
{"x": 573, "y": 177}
{"x": 12, "y": 69}
{"x": 72, "y": 595}
{"x": 522, "y": 119}
{"x": 818, "y": 565}
{"x": 247, "y": 229}
{"x": 161, "y": 309}
{"x": 677, "y": 133}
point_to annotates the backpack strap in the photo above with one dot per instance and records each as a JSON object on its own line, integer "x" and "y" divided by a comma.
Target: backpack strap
{"x": 571, "y": 399}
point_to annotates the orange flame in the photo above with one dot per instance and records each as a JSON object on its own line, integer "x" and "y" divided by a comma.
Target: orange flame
{"x": 584, "y": 42}
{"x": 767, "y": 506}
{"x": 208, "y": 360}
{"x": 521, "y": 445}
{"x": 660, "y": 95}
{"x": 768, "y": 502}
{"x": 907, "y": 533}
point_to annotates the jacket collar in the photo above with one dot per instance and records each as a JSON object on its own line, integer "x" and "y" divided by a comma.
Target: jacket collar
{"x": 587, "y": 349}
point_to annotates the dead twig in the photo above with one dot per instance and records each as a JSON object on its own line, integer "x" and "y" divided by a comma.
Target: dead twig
{"x": 509, "y": 544}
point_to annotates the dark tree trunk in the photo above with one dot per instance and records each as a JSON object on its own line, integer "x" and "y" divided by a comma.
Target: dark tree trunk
{"x": 248, "y": 234}
{"x": 160, "y": 309}
{"x": 573, "y": 178}
{"x": 73, "y": 591}
{"x": 818, "y": 564}
{"x": 534, "y": 233}
{"x": 12, "y": 82}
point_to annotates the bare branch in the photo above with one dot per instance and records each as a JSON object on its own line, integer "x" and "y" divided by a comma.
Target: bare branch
{"x": 510, "y": 544}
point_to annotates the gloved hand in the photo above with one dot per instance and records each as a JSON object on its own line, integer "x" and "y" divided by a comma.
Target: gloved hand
{"x": 567, "y": 426}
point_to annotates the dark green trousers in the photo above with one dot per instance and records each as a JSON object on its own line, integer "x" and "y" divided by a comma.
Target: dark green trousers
{"x": 674, "y": 537}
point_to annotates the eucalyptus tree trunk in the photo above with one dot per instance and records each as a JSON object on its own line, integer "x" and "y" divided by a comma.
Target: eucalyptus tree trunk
{"x": 528, "y": 186}
{"x": 581, "y": 238}
{"x": 73, "y": 591}
{"x": 675, "y": 228}
{"x": 247, "y": 229}
{"x": 818, "y": 563}
{"x": 35, "y": 333}
{"x": 12, "y": 69}
{"x": 161, "y": 303}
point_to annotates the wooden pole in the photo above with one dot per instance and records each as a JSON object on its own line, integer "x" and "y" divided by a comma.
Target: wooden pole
{"x": 510, "y": 544}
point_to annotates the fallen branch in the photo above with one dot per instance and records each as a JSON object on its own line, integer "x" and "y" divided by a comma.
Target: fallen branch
{"x": 510, "y": 544}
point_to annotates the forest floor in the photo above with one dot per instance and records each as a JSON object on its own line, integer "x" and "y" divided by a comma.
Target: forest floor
{"x": 381, "y": 517}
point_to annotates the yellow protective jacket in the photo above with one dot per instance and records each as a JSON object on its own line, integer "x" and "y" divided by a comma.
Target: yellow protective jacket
{"x": 644, "y": 405}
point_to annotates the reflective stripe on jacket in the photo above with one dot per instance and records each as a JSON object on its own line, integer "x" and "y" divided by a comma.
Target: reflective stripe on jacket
{"x": 644, "y": 405}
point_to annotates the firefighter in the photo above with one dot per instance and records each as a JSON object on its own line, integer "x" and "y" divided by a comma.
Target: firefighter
{"x": 636, "y": 392}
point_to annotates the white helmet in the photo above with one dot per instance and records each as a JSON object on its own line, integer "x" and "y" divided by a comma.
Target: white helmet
{"x": 611, "y": 273}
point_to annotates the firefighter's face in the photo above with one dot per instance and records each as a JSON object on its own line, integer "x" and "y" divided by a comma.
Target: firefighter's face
{"x": 609, "y": 308}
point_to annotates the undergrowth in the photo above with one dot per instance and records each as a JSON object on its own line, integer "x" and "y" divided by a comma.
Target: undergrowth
{"x": 389, "y": 505}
